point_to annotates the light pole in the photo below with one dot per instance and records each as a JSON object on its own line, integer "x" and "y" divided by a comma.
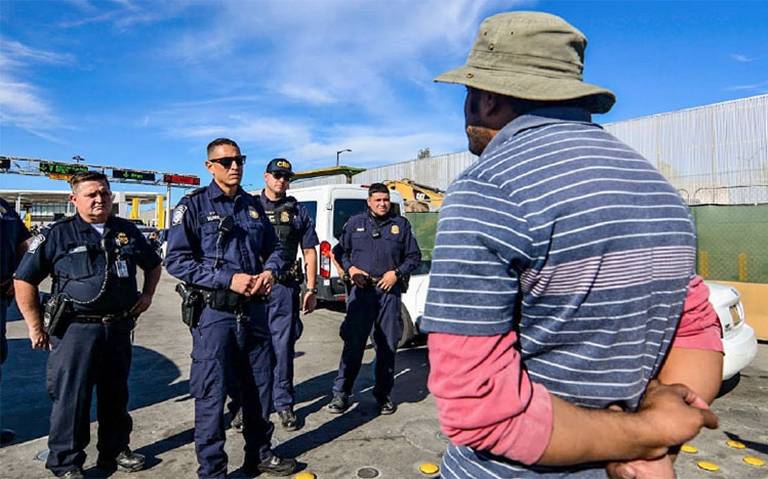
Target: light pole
{"x": 340, "y": 152}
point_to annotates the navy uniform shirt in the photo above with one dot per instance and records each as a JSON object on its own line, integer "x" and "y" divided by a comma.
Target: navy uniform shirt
{"x": 73, "y": 253}
{"x": 194, "y": 247}
{"x": 12, "y": 233}
{"x": 394, "y": 249}
{"x": 302, "y": 222}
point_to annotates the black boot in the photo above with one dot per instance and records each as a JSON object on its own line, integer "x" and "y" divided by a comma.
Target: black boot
{"x": 237, "y": 421}
{"x": 125, "y": 461}
{"x": 288, "y": 420}
{"x": 339, "y": 404}
{"x": 73, "y": 474}
{"x": 274, "y": 466}
{"x": 386, "y": 405}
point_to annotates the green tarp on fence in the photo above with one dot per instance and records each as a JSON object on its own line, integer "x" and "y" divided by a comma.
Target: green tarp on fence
{"x": 732, "y": 242}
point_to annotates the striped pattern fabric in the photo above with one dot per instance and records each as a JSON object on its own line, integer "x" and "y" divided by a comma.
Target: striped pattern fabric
{"x": 567, "y": 235}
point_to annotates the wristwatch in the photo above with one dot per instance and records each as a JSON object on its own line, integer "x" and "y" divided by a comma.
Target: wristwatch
{"x": 312, "y": 290}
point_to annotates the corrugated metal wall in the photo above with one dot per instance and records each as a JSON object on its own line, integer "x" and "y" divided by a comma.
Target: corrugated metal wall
{"x": 713, "y": 154}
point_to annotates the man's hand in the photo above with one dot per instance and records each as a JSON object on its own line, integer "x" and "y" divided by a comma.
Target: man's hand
{"x": 143, "y": 304}
{"x": 387, "y": 281}
{"x": 310, "y": 302}
{"x": 39, "y": 338}
{"x": 673, "y": 414}
{"x": 661, "y": 468}
{"x": 262, "y": 283}
{"x": 242, "y": 283}
{"x": 353, "y": 270}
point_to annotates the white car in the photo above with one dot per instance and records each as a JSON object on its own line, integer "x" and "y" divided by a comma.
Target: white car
{"x": 739, "y": 341}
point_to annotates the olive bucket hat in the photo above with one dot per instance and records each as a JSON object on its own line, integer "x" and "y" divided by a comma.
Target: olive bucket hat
{"x": 531, "y": 56}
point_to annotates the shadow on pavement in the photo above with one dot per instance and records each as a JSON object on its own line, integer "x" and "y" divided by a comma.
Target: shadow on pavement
{"x": 755, "y": 446}
{"x": 410, "y": 387}
{"x": 24, "y": 402}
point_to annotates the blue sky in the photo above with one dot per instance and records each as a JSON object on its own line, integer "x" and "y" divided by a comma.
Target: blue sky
{"x": 147, "y": 84}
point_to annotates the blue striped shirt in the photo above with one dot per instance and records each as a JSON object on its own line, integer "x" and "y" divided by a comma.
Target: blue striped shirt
{"x": 562, "y": 232}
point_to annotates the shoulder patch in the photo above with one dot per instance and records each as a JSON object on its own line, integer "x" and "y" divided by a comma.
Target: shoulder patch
{"x": 178, "y": 215}
{"x": 36, "y": 242}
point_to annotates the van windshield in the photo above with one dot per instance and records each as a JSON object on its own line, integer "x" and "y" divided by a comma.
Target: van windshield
{"x": 342, "y": 210}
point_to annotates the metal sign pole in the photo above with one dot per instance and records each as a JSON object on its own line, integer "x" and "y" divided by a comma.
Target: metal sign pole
{"x": 168, "y": 208}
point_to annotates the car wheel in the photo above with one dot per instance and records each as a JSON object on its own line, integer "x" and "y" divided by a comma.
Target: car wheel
{"x": 408, "y": 329}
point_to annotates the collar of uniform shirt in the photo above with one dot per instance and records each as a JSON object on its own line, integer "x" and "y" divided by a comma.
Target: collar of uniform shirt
{"x": 539, "y": 117}
{"x": 215, "y": 192}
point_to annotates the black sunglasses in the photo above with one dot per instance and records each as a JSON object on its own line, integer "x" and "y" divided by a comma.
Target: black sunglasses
{"x": 278, "y": 175}
{"x": 227, "y": 161}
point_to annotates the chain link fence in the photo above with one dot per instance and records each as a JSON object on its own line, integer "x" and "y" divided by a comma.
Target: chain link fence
{"x": 732, "y": 242}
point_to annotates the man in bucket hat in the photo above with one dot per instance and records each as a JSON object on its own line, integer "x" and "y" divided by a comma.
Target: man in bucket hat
{"x": 559, "y": 277}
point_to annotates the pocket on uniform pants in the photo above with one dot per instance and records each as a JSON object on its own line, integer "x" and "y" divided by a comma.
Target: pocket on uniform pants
{"x": 205, "y": 377}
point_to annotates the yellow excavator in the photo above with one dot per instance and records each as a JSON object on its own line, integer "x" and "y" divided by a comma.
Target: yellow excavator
{"x": 418, "y": 198}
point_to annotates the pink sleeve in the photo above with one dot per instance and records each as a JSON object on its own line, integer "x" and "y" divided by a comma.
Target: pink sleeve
{"x": 699, "y": 326}
{"x": 485, "y": 399}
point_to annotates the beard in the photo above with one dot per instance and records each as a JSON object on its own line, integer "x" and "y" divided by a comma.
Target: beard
{"x": 479, "y": 137}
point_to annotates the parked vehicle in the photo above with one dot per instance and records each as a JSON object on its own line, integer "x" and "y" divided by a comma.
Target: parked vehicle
{"x": 330, "y": 206}
{"x": 739, "y": 341}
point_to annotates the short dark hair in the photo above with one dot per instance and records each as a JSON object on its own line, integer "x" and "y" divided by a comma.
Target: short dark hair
{"x": 377, "y": 188}
{"x": 222, "y": 141}
{"x": 78, "y": 178}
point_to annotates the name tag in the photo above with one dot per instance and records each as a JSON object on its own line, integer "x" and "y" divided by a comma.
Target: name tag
{"x": 79, "y": 249}
{"x": 122, "y": 268}
{"x": 360, "y": 229}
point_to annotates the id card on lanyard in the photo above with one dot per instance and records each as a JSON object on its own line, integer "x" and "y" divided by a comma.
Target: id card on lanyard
{"x": 121, "y": 267}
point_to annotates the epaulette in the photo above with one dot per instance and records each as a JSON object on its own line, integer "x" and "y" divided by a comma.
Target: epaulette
{"x": 196, "y": 191}
{"x": 61, "y": 221}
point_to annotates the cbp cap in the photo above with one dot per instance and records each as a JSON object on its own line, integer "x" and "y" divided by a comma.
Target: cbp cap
{"x": 280, "y": 165}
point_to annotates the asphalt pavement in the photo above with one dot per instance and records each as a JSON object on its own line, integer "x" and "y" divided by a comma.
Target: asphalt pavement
{"x": 359, "y": 443}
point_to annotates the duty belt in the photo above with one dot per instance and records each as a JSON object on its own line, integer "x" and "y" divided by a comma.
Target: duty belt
{"x": 101, "y": 318}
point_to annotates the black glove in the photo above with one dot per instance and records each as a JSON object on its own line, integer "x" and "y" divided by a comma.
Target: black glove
{"x": 360, "y": 280}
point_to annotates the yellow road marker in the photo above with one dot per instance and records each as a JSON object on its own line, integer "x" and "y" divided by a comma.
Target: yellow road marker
{"x": 754, "y": 461}
{"x": 708, "y": 466}
{"x": 429, "y": 468}
{"x": 689, "y": 449}
{"x": 305, "y": 475}
{"x": 735, "y": 444}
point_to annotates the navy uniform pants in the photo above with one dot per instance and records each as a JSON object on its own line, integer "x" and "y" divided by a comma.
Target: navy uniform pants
{"x": 370, "y": 311}
{"x": 285, "y": 328}
{"x": 88, "y": 355}
{"x": 230, "y": 358}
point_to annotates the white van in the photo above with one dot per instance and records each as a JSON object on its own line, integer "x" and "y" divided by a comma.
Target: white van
{"x": 330, "y": 206}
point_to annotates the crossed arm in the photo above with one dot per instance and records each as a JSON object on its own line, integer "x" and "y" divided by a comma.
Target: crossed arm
{"x": 531, "y": 426}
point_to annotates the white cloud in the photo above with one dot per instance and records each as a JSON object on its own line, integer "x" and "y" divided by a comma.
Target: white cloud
{"x": 321, "y": 53}
{"x": 748, "y": 87}
{"x": 741, "y": 58}
{"x": 17, "y": 54}
{"x": 23, "y": 104}
{"x": 123, "y": 14}
{"x": 373, "y": 148}
{"x": 314, "y": 96}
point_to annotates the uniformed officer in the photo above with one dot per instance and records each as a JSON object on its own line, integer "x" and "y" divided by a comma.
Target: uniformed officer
{"x": 92, "y": 258}
{"x": 221, "y": 244}
{"x": 13, "y": 244}
{"x": 294, "y": 228}
{"x": 377, "y": 250}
